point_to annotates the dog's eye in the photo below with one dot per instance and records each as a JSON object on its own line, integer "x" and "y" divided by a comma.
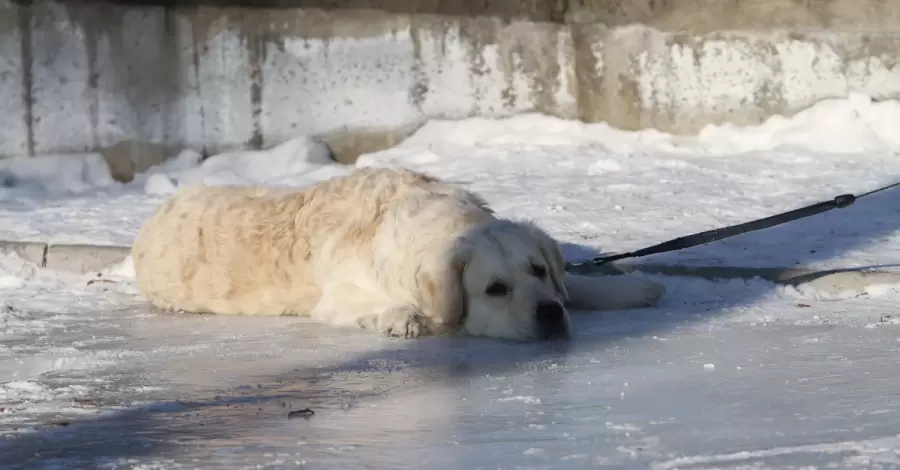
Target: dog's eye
{"x": 497, "y": 289}
{"x": 538, "y": 271}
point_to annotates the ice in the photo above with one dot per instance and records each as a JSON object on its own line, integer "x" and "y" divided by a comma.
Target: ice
{"x": 722, "y": 374}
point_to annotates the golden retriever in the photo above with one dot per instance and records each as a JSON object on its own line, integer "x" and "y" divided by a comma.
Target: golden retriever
{"x": 391, "y": 250}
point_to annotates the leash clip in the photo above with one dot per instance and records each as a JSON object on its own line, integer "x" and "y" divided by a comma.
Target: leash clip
{"x": 844, "y": 200}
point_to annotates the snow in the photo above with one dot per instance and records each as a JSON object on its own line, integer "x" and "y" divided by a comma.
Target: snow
{"x": 54, "y": 175}
{"x": 296, "y": 162}
{"x": 727, "y": 374}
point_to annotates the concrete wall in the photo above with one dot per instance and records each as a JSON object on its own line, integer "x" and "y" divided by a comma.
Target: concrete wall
{"x": 77, "y": 76}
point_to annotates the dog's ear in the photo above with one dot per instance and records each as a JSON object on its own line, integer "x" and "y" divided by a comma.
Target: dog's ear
{"x": 553, "y": 256}
{"x": 443, "y": 296}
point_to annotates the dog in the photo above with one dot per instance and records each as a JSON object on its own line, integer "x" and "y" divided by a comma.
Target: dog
{"x": 390, "y": 250}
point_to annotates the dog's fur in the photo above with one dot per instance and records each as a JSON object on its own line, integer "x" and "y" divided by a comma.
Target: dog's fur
{"x": 390, "y": 250}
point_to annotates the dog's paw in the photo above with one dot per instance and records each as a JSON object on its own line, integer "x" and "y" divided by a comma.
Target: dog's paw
{"x": 402, "y": 322}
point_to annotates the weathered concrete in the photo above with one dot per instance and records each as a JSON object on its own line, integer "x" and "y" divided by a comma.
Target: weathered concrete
{"x": 32, "y": 252}
{"x": 80, "y": 76}
{"x": 84, "y": 258}
{"x": 67, "y": 258}
{"x": 668, "y": 15}
{"x": 704, "y": 16}
{"x": 680, "y": 82}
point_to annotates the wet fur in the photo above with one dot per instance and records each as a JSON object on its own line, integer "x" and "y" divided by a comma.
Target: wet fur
{"x": 394, "y": 251}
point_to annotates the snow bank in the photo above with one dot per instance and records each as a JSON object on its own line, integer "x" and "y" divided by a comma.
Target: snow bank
{"x": 297, "y": 162}
{"x": 855, "y": 124}
{"x": 53, "y": 175}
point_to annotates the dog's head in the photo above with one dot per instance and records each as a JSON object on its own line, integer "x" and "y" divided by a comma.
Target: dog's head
{"x": 506, "y": 280}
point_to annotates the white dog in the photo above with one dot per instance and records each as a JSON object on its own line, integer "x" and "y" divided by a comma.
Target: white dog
{"x": 395, "y": 251}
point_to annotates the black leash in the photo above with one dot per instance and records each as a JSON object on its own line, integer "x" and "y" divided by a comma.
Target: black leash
{"x": 709, "y": 236}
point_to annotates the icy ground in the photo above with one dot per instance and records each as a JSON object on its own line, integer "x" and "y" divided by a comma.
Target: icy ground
{"x": 736, "y": 374}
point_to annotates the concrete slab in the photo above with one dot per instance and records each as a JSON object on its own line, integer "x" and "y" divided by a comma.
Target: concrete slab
{"x": 33, "y": 252}
{"x": 84, "y": 258}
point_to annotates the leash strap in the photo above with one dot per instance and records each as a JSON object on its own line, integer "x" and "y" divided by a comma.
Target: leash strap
{"x": 702, "y": 238}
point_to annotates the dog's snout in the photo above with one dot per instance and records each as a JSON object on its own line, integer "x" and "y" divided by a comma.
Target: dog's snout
{"x": 551, "y": 320}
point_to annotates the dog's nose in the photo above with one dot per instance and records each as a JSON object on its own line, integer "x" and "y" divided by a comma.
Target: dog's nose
{"x": 551, "y": 320}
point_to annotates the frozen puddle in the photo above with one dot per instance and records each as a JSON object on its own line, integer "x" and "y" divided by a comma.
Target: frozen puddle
{"x": 721, "y": 375}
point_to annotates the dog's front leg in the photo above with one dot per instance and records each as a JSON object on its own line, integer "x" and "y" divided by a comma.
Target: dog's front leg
{"x": 369, "y": 306}
{"x": 402, "y": 322}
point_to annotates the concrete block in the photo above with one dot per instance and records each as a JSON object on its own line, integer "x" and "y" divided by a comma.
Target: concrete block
{"x": 84, "y": 258}
{"x": 682, "y": 82}
{"x": 705, "y": 16}
{"x": 141, "y": 83}
{"x": 591, "y": 92}
{"x": 228, "y": 80}
{"x": 15, "y": 99}
{"x": 63, "y": 117}
{"x": 95, "y": 74}
{"x": 488, "y": 67}
{"x": 322, "y": 72}
{"x": 33, "y": 252}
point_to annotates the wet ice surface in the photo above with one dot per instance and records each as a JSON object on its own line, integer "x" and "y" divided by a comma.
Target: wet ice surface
{"x": 720, "y": 375}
